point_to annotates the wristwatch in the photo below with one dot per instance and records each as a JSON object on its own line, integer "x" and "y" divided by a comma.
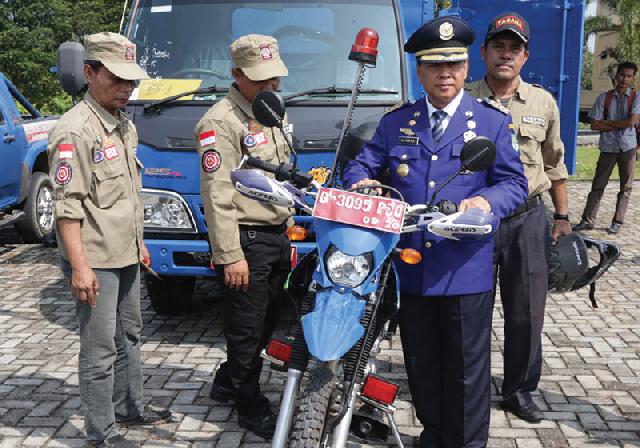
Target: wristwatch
{"x": 559, "y": 217}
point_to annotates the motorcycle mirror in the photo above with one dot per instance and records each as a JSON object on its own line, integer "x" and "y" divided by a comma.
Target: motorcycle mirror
{"x": 268, "y": 108}
{"x": 478, "y": 154}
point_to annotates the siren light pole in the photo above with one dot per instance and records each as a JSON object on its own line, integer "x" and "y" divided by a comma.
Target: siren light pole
{"x": 364, "y": 51}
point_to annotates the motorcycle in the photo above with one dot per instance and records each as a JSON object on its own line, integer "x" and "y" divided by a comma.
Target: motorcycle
{"x": 346, "y": 291}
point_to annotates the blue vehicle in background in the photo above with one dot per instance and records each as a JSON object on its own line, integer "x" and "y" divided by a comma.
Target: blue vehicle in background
{"x": 184, "y": 46}
{"x": 25, "y": 188}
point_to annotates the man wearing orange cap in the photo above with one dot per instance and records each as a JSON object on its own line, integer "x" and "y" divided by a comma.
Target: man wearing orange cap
{"x": 99, "y": 223}
{"x": 248, "y": 244}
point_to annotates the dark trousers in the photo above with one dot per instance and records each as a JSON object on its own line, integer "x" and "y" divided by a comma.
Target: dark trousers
{"x": 626, "y": 162}
{"x": 522, "y": 249}
{"x": 250, "y": 317}
{"x": 446, "y": 344}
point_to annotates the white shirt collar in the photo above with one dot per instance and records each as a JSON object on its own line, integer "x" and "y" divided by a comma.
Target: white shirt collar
{"x": 450, "y": 108}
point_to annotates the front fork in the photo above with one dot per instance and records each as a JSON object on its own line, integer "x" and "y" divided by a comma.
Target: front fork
{"x": 287, "y": 405}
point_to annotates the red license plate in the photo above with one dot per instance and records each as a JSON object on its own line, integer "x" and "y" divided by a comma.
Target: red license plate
{"x": 374, "y": 212}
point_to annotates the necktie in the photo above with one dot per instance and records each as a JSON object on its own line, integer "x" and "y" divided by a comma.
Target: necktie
{"x": 437, "y": 129}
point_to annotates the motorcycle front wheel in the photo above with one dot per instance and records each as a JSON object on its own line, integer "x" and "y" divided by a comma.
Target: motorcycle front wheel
{"x": 310, "y": 421}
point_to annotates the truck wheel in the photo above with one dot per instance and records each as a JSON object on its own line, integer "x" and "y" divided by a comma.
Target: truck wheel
{"x": 171, "y": 295}
{"x": 38, "y": 220}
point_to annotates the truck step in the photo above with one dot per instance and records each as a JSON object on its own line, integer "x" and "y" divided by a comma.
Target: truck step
{"x": 5, "y": 219}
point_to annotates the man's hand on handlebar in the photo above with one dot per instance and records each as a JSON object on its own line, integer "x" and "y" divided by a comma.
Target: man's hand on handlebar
{"x": 367, "y": 182}
{"x": 475, "y": 202}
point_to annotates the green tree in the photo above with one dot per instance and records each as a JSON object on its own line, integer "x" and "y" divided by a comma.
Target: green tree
{"x": 587, "y": 69}
{"x": 628, "y": 48}
{"x": 30, "y": 32}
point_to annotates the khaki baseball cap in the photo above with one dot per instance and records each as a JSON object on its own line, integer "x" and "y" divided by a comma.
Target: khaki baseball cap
{"x": 258, "y": 57}
{"x": 116, "y": 53}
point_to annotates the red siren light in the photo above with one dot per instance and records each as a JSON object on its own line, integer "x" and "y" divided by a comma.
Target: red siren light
{"x": 365, "y": 48}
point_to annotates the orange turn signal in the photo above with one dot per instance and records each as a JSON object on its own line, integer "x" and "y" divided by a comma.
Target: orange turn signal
{"x": 410, "y": 256}
{"x": 297, "y": 233}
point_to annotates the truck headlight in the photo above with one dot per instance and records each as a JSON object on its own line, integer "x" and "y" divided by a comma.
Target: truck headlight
{"x": 166, "y": 211}
{"x": 348, "y": 270}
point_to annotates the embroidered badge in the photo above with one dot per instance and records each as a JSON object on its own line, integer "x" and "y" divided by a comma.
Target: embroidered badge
{"x": 110, "y": 150}
{"x": 65, "y": 150}
{"x": 534, "y": 120}
{"x": 207, "y": 138}
{"x": 514, "y": 143}
{"x": 265, "y": 52}
{"x": 63, "y": 173}
{"x": 129, "y": 52}
{"x": 211, "y": 161}
{"x": 261, "y": 138}
{"x": 98, "y": 156}
{"x": 404, "y": 140}
{"x": 249, "y": 141}
{"x": 468, "y": 136}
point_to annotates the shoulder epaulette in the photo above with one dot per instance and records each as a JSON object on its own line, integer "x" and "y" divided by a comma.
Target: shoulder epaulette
{"x": 538, "y": 86}
{"x": 398, "y": 106}
{"x": 495, "y": 105}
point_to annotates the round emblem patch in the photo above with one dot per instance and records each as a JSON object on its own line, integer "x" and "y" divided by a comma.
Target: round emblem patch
{"x": 250, "y": 141}
{"x": 211, "y": 161}
{"x": 63, "y": 173}
{"x": 446, "y": 31}
{"x": 98, "y": 156}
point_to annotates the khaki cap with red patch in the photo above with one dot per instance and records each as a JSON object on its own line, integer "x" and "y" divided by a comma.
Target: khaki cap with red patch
{"x": 116, "y": 53}
{"x": 258, "y": 56}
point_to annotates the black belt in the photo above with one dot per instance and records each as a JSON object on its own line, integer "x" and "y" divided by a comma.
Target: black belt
{"x": 527, "y": 205}
{"x": 278, "y": 228}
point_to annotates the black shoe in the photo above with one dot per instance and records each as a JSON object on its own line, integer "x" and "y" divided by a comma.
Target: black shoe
{"x": 116, "y": 442}
{"x": 261, "y": 425}
{"x": 147, "y": 416}
{"x": 530, "y": 412}
{"x": 614, "y": 228}
{"x": 582, "y": 225}
{"x": 224, "y": 394}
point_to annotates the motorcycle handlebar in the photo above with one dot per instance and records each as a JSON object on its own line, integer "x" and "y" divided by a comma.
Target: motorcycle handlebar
{"x": 283, "y": 172}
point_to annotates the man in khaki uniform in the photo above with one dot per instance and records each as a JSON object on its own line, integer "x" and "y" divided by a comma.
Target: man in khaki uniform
{"x": 522, "y": 241}
{"x": 248, "y": 243}
{"x": 99, "y": 225}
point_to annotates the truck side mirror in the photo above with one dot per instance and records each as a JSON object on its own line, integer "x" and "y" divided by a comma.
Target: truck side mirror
{"x": 71, "y": 67}
{"x": 478, "y": 154}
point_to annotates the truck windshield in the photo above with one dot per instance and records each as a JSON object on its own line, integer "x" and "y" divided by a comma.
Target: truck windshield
{"x": 189, "y": 39}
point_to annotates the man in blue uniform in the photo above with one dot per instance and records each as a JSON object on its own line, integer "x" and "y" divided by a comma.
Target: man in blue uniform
{"x": 446, "y": 301}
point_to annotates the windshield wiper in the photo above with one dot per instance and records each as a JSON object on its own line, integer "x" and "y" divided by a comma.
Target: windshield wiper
{"x": 333, "y": 90}
{"x": 152, "y": 107}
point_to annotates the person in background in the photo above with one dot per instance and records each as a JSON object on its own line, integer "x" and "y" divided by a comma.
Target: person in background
{"x": 616, "y": 114}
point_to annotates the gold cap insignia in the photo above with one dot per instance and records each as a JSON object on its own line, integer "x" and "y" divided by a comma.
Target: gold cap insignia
{"x": 446, "y": 31}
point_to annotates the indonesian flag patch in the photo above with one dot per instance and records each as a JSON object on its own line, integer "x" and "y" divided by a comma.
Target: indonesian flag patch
{"x": 63, "y": 173}
{"x": 65, "y": 150}
{"x": 211, "y": 161}
{"x": 207, "y": 138}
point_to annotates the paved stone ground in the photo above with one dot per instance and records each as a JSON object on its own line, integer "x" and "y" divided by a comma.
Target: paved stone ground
{"x": 590, "y": 390}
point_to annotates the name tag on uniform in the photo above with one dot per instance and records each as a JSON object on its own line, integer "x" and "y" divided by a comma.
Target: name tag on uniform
{"x": 406, "y": 140}
{"x": 534, "y": 120}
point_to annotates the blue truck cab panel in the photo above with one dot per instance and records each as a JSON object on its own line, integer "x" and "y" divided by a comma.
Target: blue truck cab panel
{"x": 23, "y": 147}
{"x": 171, "y": 45}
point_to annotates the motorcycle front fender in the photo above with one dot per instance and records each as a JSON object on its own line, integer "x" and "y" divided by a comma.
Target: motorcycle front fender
{"x": 333, "y": 327}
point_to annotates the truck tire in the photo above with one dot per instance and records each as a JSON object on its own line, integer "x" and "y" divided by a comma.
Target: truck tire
{"x": 308, "y": 426}
{"x": 37, "y": 222}
{"x": 171, "y": 295}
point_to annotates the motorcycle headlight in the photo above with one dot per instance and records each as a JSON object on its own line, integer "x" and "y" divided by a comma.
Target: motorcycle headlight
{"x": 166, "y": 211}
{"x": 348, "y": 270}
